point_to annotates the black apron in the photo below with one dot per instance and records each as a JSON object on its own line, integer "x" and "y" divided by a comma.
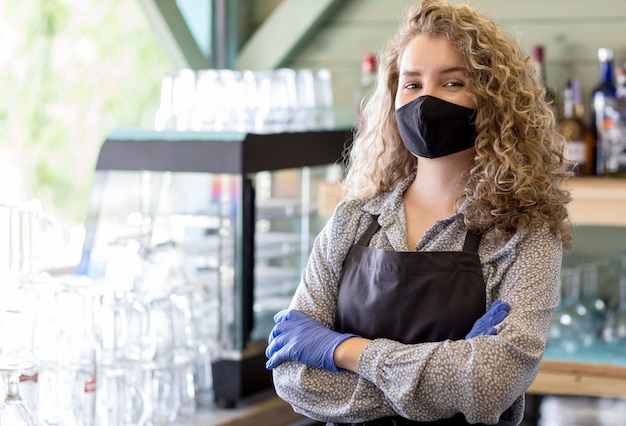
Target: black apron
{"x": 411, "y": 297}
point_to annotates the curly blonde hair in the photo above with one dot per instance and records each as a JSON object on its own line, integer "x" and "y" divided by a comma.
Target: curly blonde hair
{"x": 517, "y": 178}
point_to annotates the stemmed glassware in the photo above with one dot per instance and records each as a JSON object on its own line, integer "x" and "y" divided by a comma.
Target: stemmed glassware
{"x": 14, "y": 412}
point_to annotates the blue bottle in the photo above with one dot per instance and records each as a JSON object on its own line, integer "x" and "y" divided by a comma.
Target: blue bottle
{"x": 603, "y": 95}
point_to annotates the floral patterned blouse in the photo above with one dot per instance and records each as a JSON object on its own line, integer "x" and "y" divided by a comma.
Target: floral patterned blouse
{"x": 479, "y": 377}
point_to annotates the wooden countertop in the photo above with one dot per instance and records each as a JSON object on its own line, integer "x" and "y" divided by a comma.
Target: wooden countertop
{"x": 572, "y": 377}
{"x": 264, "y": 409}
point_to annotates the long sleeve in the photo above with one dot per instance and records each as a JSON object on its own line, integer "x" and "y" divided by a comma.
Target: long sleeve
{"x": 479, "y": 377}
{"x": 316, "y": 393}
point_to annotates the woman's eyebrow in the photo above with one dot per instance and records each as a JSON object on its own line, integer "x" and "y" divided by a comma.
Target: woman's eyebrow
{"x": 450, "y": 70}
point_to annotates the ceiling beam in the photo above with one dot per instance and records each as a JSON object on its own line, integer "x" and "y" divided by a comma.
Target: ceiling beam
{"x": 291, "y": 24}
{"x": 173, "y": 34}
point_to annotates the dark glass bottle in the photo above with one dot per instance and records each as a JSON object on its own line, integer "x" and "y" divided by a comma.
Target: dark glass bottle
{"x": 578, "y": 141}
{"x": 603, "y": 94}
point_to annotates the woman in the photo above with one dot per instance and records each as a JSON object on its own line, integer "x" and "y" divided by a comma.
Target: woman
{"x": 454, "y": 201}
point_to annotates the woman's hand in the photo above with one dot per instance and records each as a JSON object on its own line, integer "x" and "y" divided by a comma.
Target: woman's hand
{"x": 298, "y": 337}
{"x": 486, "y": 325}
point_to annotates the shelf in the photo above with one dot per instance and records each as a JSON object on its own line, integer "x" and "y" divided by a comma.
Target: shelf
{"x": 208, "y": 152}
{"x": 579, "y": 378}
{"x": 598, "y": 201}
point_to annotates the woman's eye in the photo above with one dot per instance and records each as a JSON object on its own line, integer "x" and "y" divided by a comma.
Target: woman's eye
{"x": 454, "y": 84}
{"x": 411, "y": 86}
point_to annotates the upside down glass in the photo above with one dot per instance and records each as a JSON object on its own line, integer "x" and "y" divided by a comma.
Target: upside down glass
{"x": 14, "y": 412}
{"x": 65, "y": 345}
{"x": 23, "y": 225}
{"x": 595, "y": 306}
{"x": 614, "y": 331}
{"x": 571, "y": 328}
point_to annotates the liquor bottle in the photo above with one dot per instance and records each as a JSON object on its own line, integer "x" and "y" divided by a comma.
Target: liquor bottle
{"x": 616, "y": 162}
{"x": 578, "y": 140}
{"x": 602, "y": 98}
{"x": 538, "y": 60}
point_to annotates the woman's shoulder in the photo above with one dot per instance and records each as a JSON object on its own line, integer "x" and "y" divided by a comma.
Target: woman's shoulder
{"x": 349, "y": 213}
{"x": 535, "y": 239}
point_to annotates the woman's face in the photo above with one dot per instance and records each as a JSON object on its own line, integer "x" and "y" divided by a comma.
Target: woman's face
{"x": 432, "y": 66}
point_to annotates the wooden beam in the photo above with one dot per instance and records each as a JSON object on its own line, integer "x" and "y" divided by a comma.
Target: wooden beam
{"x": 278, "y": 39}
{"x": 174, "y": 34}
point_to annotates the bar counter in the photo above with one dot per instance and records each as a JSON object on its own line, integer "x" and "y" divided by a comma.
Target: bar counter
{"x": 263, "y": 409}
{"x": 597, "y": 371}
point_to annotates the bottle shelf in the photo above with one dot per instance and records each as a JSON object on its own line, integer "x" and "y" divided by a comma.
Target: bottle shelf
{"x": 598, "y": 201}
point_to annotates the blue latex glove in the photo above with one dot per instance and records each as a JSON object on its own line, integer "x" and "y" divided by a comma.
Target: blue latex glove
{"x": 486, "y": 325}
{"x": 298, "y": 337}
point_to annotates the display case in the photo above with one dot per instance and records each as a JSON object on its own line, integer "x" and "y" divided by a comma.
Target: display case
{"x": 242, "y": 212}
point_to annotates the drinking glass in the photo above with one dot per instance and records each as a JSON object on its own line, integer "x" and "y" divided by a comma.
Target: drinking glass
{"x": 161, "y": 320}
{"x": 165, "y": 399}
{"x": 14, "y": 411}
{"x": 23, "y": 226}
{"x": 122, "y": 397}
{"x": 225, "y": 100}
{"x": 277, "y": 100}
{"x": 206, "y": 109}
{"x": 164, "y": 118}
{"x": 66, "y": 341}
{"x": 125, "y": 328}
{"x": 614, "y": 331}
{"x": 203, "y": 376}
{"x": 571, "y": 328}
{"x": 246, "y": 101}
{"x": 577, "y": 410}
{"x": 17, "y": 317}
{"x": 324, "y": 101}
{"x": 184, "y": 98}
{"x": 595, "y": 306}
{"x": 185, "y": 390}
{"x": 305, "y": 89}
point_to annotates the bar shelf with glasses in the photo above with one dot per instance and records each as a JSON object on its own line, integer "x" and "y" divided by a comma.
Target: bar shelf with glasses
{"x": 240, "y": 209}
{"x": 599, "y": 369}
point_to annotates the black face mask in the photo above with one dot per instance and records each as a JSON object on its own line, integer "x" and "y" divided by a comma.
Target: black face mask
{"x": 431, "y": 127}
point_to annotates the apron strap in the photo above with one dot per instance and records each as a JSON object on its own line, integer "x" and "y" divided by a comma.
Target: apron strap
{"x": 369, "y": 233}
{"x": 472, "y": 241}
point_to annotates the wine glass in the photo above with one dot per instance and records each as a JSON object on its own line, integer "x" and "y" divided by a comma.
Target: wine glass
{"x": 14, "y": 411}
